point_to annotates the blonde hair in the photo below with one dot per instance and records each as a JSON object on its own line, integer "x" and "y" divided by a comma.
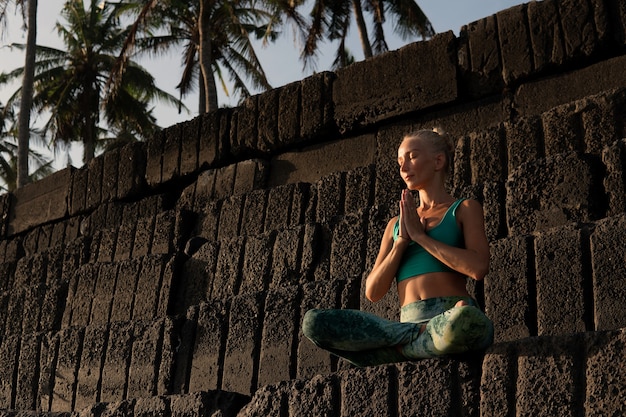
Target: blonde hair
{"x": 439, "y": 141}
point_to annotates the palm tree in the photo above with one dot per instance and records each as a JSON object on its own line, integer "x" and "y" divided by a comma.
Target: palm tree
{"x": 9, "y": 154}
{"x": 332, "y": 19}
{"x": 69, "y": 85}
{"x": 215, "y": 36}
{"x": 27, "y": 87}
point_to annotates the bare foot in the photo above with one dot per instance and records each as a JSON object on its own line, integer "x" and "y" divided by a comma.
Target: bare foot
{"x": 461, "y": 303}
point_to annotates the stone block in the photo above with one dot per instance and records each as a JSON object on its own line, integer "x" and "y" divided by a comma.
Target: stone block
{"x": 80, "y": 296}
{"x": 154, "y": 159}
{"x": 115, "y": 368}
{"x": 65, "y": 372}
{"x": 253, "y": 216}
{"x": 224, "y": 182}
{"x": 142, "y": 370}
{"x": 179, "y": 336}
{"x": 31, "y": 315}
{"x": 330, "y": 197}
{"x": 39, "y": 202}
{"x": 125, "y": 290}
{"x": 546, "y": 35}
{"x": 317, "y": 396}
{"x": 89, "y": 370}
{"x": 197, "y": 275}
{"x": 617, "y": 15}
{"x": 289, "y": 113}
{"x": 77, "y": 202}
{"x": 228, "y": 270}
{"x": 482, "y": 72}
{"x": 360, "y": 183}
{"x": 614, "y": 159}
{"x": 551, "y": 192}
{"x": 47, "y": 359}
{"x": 508, "y": 302}
{"x": 515, "y": 44}
{"x": 317, "y": 106}
{"x": 132, "y": 170}
{"x": 148, "y": 289}
{"x": 488, "y": 161}
{"x": 286, "y": 258}
{"x": 268, "y": 400}
{"x": 250, "y": 175}
{"x": 280, "y": 327}
{"x": 230, "y": 218}
{"x": 107, "y": 244}
{"x": 103, "y": 294}
{"x": 433, "y": 81}
{"x": 278, "y": 208}
{"x": 163, "y": 240}
{"x": 524, "y": 140}
{"x": 551, "y": 366}
{"x": 171, "y": 152}
{"x": 167, "y": 286}
{"x": 562, "y": 130}
{"x": 560, "y": 276}
{"x": 209, "y": 220}
{"x": 302, "y": 205}
{"x": 599, "y": 117}
{"x": 208, "y": 351}
{"x": 579, "y": 35}
{"x": 244, "y": 141}
{"x": 125, "y": 240}
{"x": 190, "y": 146}
{"x": 94, "y": 182}
{"x": 313, "y": 360}
{"x": 267, "y": 120}
{"x": 498, "y": 381}
{"x": 210, "y": 141}
{"x": 151, "y": 407}
{"x": 494, "y": 210}
{"x": 367, "y": 391}
{"x": 433, "y": 395}
{"x": 212, "y": 403}
{"x": 242, "y": 345}
{"x": 110, "y": 168}
{"x": 27, "y": 380}
{"x": 349, "y": 242}
{"x": 9, "y": 355}
{"x": 144, "y": 232}
{"x": 204, "y": 189}
{"x": 609, "y": 276}
{"x": 604, "y": 394}
{"x": 256, "y": 271}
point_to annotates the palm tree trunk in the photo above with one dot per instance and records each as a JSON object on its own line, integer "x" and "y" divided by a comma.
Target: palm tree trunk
{"x": 206, "y": 58}
{"x": 360, "y": 22}
{"x": 27, "y": 97}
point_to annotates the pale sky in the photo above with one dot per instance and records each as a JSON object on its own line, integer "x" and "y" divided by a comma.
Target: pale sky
{"x": 280, "y": 60}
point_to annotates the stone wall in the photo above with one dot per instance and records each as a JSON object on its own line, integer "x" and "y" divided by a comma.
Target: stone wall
{"x": 169, "y": 277}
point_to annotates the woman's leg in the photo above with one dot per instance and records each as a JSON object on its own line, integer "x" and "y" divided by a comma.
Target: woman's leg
{"x": 362, "y": 338}
{"x": 461, "y": 329}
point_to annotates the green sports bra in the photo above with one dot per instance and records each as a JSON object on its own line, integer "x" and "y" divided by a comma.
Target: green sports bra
{"x": 416, "y": 260}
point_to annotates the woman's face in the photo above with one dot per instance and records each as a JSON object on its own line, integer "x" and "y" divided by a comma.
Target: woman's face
{"x": 417, "y": 162}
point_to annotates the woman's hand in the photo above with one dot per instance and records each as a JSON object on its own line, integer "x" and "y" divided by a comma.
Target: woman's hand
{"x": 411, "y": 226}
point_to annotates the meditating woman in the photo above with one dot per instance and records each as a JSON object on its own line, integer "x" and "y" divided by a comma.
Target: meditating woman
{"x": 429, "y": 250}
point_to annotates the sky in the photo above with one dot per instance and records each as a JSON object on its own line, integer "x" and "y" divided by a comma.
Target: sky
{"x": 280, "y": 60}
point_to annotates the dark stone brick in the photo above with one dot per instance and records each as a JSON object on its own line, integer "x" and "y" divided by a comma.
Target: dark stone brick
{"x": 604, "y": 378}
{"x": 498, "y": 381}
{"x": 253, "y": 216}
{"x": 146, "y": 341}
{"x": 198, "y": 274}
{"x": 609, "y": 276}
{"x": 560, "y": 278}
{"x": 579, "y": 34}
{"x": 280, "y": 326}
{"x": 132, "y": 170}
{"x": 125, "y": 290}
{"x": 27, "y": 378}
{"x": 78, "y": 199}
{"x": 330, "y": 197}
{"x": 317, "y": 396}
{"x": 9, "y": 352}
{"x": 550, "y": 366}
{"x": 190, "y": 146}
{"x": 360, "y": 188}
{"x": 289, "y": 113}
{"x": 515, "y": 44}
{"x": 562, "y": 130}
{"x": 540, "y": 194}
{"x": 144, "y": 232}
{"x": 482, "y": 72}
{"x": 108, "y": 242}
{"x": 115, "y": 367}
{"x": 154, "y": 159}
{"x": 244, "y": 139}
{"x": 614, "y": 159}
{"x": 433, "y": 395}
{"x": 268, "y": 400}
{"x": 348, "y": 247}
{"x": 110, "y": 169}
{"x": 230, "y": 218}
{"x": 171, "y": 151}
{"x": 256, "y": 272}
{"x": 242, "y": 345}
{"x": 524, "y": 141}
{"x": 91, "y": 362}
{"x": 224, "y": 181}
{"x": 267, "y": 120}
{"x": 149, "y": 283}
{"x": 278, "y": 209}
{"x": 211, "y": 143}
{"x": 317, "y": 106}
{"x": 250, "y": 175}
{"x": 366, "y": 391}
{"x": 286, "y": 258}
{"x": 228, "y": 270}
{"x": 507, "y": 299}
{"x": 488, "y": 161}
{"x": 546, "y": 35}
{"x": 103, "y": 294}
{"x": 208, "y": 352}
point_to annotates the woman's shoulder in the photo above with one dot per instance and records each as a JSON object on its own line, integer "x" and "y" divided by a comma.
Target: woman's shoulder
{"x": 469, "y": 208}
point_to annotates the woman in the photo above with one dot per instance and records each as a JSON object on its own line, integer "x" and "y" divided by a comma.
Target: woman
{"x": 429, "y": 250}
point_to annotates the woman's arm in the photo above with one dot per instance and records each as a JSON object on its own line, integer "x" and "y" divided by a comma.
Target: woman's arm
{"x": 473, "y": 259}
{"x": 381, "y": 277}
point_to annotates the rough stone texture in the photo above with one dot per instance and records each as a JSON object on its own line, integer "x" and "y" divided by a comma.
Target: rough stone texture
{"x": 515, "y": 44}
{"x": 433, "y": 395}
{"x": 561, "y": 299}
{"x": 507, "y": 297}
{"x": 607, "y": 253}
{"x": 365, "y": 392}
{"x": 359, "y": 102}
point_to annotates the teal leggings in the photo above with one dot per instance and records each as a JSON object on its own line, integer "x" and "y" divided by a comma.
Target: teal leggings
{"x": 365, "y": 339}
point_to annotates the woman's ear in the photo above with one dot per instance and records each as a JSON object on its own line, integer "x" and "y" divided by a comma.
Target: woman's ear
{"x": 440, "y": 161}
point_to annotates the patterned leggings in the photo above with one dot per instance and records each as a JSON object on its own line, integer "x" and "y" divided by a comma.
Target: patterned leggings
{"x": 365, "y": 339}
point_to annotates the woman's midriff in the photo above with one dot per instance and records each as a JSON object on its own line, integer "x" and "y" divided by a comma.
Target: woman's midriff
{"x": 431, "y": 285}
